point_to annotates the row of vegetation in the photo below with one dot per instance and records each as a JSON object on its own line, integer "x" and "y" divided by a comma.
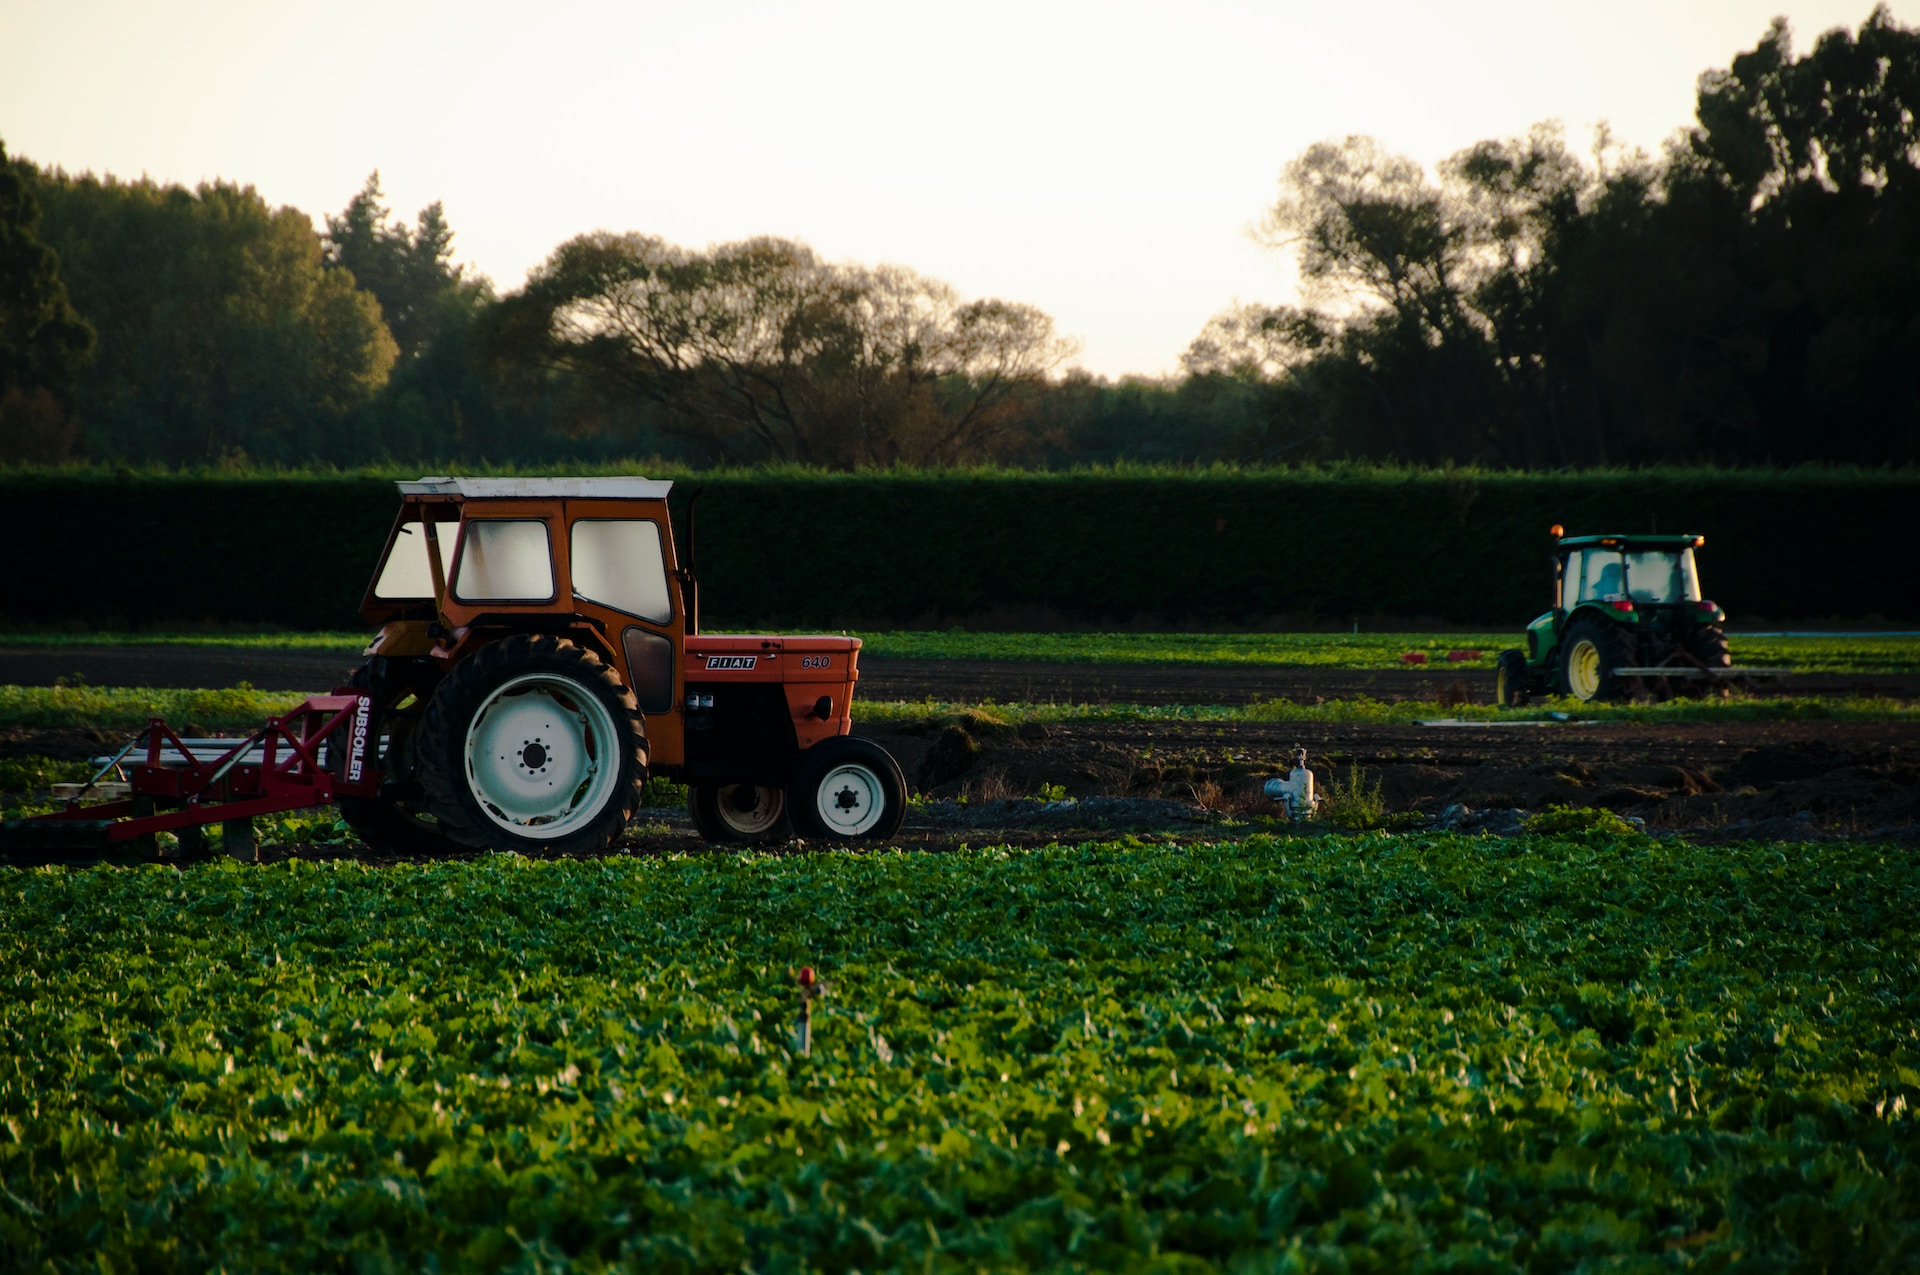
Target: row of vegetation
{"x": 1376, "y": 1053}
{"x": 1152, "y": 550}
{"x": 1864, "y": 653}
{"x": 1748, "y": 296}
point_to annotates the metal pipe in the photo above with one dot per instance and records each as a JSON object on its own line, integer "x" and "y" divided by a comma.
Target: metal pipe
{"x": 118, "y": 757}
{"x": 436, "y": 568}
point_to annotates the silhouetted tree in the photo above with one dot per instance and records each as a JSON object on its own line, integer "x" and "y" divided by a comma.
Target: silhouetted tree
{"x": 221, "y": 333}
{"x": 43, "y": 341}
{"x": 758, "y": 350}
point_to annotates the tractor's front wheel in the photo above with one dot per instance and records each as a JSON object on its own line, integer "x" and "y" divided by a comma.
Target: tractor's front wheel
{"x": 739, "y": 812}
{"x": 847, "y": 789}
{"x": 533, "y": 744}
{"x": 1589, "y": 654}
{"x": 1510, "y": 681}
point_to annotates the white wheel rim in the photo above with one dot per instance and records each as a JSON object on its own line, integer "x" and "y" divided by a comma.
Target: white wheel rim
{"x": 1583, "y": 670}
{"x": 749, "y": 810}
{"x": 541, "y": 756}
{"x": 850, "y": 800}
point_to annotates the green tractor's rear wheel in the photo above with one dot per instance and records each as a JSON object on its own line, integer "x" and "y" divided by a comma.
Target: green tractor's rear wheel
{"x": 1511, "y": 683}
{"x": 1589, "y": 654}
{"x": 1708, "y": 644}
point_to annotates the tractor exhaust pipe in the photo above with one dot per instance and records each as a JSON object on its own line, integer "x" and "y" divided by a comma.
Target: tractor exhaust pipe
{"x": 689, "y": 581}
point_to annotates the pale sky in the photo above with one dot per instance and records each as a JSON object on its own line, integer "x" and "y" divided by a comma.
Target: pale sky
{"x": 1102, "y": 161}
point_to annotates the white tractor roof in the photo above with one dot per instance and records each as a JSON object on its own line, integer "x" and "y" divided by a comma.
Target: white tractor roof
{"x": 539, "y": 488}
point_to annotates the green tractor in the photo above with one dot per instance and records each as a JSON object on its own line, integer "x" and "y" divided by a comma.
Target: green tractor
{"x": 1627, "y": 620}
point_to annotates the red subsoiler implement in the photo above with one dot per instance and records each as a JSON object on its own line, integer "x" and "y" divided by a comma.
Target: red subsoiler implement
{"x": 300, "y": 759}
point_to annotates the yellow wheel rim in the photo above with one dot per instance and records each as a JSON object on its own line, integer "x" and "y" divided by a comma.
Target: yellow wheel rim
{"x": 1583, "y": 669}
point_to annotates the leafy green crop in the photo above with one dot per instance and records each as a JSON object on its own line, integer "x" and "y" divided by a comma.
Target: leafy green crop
{"x": 1371, "y": 1054}
{"x": 112, "y": 708}
{"x": 1843, "y": 653}
{"x": 1848, "y": 653}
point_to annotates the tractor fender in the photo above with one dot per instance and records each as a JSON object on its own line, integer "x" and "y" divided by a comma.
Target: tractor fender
{"x": 1543, "y": 639}
{"x": 488, "y": 629}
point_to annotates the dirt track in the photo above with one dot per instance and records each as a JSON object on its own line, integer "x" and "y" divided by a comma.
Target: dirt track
{"x": 1785, "y": 779}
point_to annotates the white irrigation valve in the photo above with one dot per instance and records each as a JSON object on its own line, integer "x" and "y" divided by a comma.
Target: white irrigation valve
{"x": 1295, "y": 792}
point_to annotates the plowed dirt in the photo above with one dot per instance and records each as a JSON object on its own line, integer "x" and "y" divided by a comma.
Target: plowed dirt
{"x": 979, "y": 779}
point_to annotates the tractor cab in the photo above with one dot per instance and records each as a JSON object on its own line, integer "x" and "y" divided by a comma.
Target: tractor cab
{"x": 1645, "y": 571}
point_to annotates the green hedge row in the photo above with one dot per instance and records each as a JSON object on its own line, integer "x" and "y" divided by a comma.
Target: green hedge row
{"x": 905, "y": 550}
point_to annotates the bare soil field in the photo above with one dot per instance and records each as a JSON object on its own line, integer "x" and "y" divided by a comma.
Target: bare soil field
{"x": 981, "y": 779}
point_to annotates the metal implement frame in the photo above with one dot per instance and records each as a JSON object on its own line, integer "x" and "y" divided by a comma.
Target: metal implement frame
{"x": 277, "y": 768}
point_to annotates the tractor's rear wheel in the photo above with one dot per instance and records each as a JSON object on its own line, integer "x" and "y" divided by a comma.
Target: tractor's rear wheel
{"x": 1589, "y": 654}
{"x": 391, "y": 824}
{"x": 1510, "y": 681}
{"x": 739, "y": 812}
{"x": 533, "y": 744}
{"x": 1708, "y": 644}
{"x": 847, "y": 789}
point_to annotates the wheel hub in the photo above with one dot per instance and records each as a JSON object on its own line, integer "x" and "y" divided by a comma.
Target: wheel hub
{"x": 851, "y": 800}
{"x": 1583, "y": 670}
{"x": 541, "y": 756}
{"x": 750, "y": 810}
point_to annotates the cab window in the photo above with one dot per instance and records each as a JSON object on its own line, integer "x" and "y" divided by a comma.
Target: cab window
{"x": 618, "y": 562}
{"x": 504, "y": 560}
{"x": 1662, "y": 576}
{"x": 406, "y": 573}
{"x": 1593, "y": 575}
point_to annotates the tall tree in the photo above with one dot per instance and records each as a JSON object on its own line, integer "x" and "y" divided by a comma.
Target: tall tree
{"x": 1753, "y": 298}
{"x": 759, "y": 350}
{"x": 43, "y": 340}
{"x": 221, "y": 332}
{"x": 439, "y": 402}
{"x": 410, "y": 271}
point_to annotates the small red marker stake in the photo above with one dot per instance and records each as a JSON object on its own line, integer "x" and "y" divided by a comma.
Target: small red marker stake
{"x": 812, "y": 987}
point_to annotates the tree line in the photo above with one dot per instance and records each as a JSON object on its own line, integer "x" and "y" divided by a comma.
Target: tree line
{"x": 1747, "y": 297}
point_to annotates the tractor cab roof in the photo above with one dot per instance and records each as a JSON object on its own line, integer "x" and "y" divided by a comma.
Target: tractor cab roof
{"x": 538, "y": 488}
{"x": 1634, "y": 542}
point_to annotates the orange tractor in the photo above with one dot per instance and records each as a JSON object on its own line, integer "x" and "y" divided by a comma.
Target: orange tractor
{"x": 539, "y": 656}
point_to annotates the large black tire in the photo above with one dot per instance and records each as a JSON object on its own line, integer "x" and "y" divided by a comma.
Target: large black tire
{"x": 847, "y": 789}
{"x": 1708, "y": 644}
{"x": 1511, "y": 682}
{"x": 533, "y": 744}
{"x": 396, "y": 822}
{"x": 1590, "y": 651}
{"x": 739, "y": 812}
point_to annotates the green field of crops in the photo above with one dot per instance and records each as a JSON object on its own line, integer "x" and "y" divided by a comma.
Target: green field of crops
{"x": 1841, "y": 653}
{"x": 1371, "y": 1054}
